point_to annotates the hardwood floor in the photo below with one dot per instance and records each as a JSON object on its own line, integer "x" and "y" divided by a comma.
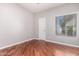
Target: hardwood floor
{"x": 39, "y": 48}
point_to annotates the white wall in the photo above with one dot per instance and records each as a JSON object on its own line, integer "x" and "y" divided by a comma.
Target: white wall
{"x": 50, "y": 17}
{"x": 16, "y": 24}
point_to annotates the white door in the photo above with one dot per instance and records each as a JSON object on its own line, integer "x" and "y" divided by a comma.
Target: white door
{"x": 42, "y": 28}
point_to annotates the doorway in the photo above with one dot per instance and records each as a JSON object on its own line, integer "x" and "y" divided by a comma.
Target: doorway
{"x": 42, "y": 28}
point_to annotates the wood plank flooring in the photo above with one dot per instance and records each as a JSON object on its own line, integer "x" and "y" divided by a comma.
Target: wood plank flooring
{"x": 39, "y": 48}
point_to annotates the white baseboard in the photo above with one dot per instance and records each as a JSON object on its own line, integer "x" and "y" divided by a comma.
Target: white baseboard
{"x": 14, "y": 44}
{"x": 66, "y": 44}
{"x": 39, "y": 39}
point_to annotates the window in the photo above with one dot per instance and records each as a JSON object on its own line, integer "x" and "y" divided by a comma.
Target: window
{"x": 66, "y": 25}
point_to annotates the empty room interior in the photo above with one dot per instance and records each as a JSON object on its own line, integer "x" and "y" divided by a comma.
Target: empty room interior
{"x": 39, "y": 29}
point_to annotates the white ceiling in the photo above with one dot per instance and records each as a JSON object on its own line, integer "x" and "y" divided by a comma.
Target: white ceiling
{"x": 38, "y": 7}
